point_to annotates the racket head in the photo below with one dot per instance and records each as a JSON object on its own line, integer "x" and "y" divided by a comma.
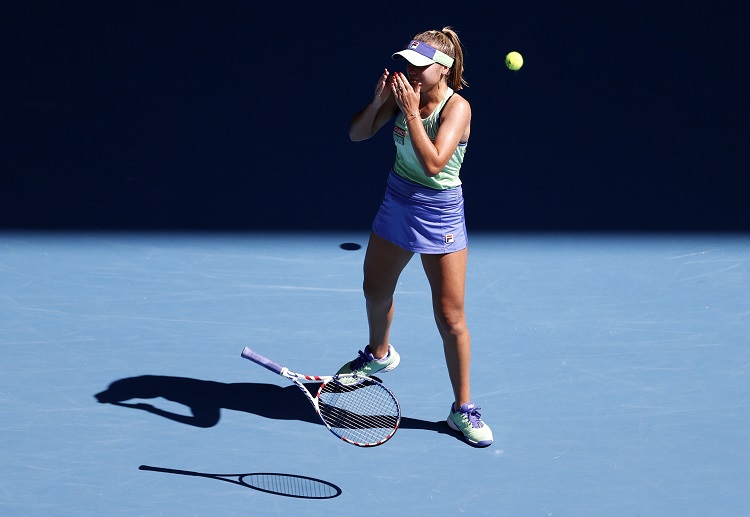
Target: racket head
{"x": 358, "y": 409}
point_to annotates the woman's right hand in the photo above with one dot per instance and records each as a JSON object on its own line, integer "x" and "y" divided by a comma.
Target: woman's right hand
{"x": 382, "y": 90}
{"x": 380, "y": 109}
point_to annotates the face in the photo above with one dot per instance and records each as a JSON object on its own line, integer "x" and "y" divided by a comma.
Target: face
{"x": 429, "y": 75}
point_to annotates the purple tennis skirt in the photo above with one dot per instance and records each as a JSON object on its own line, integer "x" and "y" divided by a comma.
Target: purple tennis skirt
{"x": 421, "y": 219}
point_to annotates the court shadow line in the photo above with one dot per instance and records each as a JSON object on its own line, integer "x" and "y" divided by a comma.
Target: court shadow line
{"x": 205, "y": 400}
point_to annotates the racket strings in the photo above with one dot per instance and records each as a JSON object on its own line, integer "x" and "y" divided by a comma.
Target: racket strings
{"x": 291, "y": 485}
{"x": 364, "y": 413}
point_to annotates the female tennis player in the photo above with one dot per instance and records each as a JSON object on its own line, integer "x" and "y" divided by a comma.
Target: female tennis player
{"x": 422, "y": 210}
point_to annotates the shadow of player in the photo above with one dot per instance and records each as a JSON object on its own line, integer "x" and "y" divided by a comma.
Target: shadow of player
{"x": 205, "y": 400}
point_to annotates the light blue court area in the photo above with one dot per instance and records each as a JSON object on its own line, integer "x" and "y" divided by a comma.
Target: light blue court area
{"x": 614, "y": 371}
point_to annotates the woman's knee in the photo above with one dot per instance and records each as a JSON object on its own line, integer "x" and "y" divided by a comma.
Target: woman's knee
{"x": 376, "y": 293}
{"x": 451, "y": 321}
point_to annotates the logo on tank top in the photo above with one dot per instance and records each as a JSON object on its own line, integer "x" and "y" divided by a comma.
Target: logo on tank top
{"x": 399, "y": 134}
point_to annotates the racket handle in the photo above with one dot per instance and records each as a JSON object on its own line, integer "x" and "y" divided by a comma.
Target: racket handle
{"x": 263, "y": 361}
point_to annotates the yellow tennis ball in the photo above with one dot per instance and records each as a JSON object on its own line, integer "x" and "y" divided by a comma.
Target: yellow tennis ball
{"x": 514, "y": 60}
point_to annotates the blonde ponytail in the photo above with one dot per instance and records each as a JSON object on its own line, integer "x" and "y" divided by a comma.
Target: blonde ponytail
{"x": 446, "y": 41}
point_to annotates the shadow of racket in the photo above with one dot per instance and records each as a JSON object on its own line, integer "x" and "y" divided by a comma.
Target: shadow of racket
{"x": 288, "y": 485}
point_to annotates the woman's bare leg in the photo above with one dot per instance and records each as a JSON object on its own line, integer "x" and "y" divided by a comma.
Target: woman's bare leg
{"x": 447, "y": 276}
{"x": 384, "y": 262}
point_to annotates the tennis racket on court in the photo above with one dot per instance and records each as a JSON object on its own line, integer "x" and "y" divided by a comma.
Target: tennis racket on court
{"x": 356, "y": 408}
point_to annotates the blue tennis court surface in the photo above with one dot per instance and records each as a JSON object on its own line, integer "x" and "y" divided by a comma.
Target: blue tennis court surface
{"x": 613, "y": 369}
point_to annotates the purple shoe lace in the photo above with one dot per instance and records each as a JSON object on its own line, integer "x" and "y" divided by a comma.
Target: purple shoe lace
{"x": 473, "y": 414}
{"x": 364, "y": 357}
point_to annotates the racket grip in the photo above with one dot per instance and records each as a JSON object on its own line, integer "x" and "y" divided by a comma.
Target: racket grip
{"x": 263, "y": 361}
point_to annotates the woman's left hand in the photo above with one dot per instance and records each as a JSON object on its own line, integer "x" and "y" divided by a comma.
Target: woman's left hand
{"x": 406, "y": 96}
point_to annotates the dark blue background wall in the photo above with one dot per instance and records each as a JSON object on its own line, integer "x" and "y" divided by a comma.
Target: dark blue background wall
{"x": 225, "y": 116}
